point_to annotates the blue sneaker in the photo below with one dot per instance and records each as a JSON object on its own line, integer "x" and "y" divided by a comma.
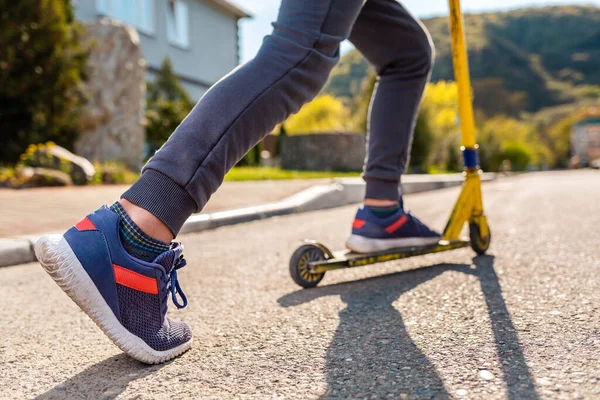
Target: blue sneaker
{"x": 124, "y": 296}
{"x": 371, "y": 233}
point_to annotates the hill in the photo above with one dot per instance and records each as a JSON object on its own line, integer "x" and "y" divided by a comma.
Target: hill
{"x": 520, "y": 60}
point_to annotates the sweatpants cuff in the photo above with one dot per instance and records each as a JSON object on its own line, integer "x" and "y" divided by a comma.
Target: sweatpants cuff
{"x": 382, "y": 190}
{"x": 161, "y": 196}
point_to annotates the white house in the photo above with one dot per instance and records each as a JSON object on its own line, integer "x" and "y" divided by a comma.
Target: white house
{"x": 585, "y": 139}
{"x": 199, "y": 36}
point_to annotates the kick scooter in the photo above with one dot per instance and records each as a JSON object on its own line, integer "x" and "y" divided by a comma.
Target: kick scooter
{"x": 309, "y": 262}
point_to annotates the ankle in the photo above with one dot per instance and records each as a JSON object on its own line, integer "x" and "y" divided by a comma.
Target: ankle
{"x": 147, "y": 222}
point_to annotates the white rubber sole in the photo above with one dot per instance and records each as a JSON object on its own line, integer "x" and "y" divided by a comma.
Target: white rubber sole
{"x": 59, "y": 261}
{"x": 361, "y": 244}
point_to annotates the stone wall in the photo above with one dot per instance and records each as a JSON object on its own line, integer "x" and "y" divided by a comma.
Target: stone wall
{"x": 113, "y": 121}
{"x": 323, "y": 152}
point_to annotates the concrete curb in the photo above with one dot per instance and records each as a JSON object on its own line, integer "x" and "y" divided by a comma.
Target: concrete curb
{"x": 15, "y": 251}
{"x": 320, "y": 197}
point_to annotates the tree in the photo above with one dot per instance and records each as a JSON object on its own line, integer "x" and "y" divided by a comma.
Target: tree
{"x": 42, "y": 64}
{"x": 167, "y": 105}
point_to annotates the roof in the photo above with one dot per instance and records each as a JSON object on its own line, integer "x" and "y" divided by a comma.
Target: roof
{"x": 589, "y": 121}
{"x": 227, "y": 6}
{"x": 588, "y": 115}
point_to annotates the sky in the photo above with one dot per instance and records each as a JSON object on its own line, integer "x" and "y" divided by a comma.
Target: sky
{"x": 265, "y": 11}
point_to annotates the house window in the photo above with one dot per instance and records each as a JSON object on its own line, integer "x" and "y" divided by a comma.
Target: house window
{"x": 138, "y": 13}
{"x": 178, "y": 23}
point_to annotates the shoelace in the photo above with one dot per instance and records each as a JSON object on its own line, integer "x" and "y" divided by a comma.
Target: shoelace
{"x": 172, "y": 283}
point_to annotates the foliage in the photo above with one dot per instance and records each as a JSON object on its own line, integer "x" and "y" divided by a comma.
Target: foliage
{"x": 52, "y": 157}
{"x": 271, "y": 173}
{"x": 559, "y": 140}
{"x": 106, "y": 173}
{"x": 252, "y": 157}
{"x": 440, "y": 107}
{"x": 35, "y": 156}
{"x": 503, "y": 138}
{"x": 517, "y": 153}
{"x": 8, "y": 176}
{"x": 436, "y": 144}
{"x": 346, "y": 79}
{"x": 42, "y": 64}
{"x": 113, "y": 173}
{"x": 167, "y": 104}
{"x": 282, "y": 133}
{"x": 362, "y": 102}
{"x": 520, "y": 60}
{"x": 324, "y": 114}
{"x": 422, "y": 144}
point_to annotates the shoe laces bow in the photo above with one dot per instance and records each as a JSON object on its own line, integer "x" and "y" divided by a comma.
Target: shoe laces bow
{"x": 172, "y": 282}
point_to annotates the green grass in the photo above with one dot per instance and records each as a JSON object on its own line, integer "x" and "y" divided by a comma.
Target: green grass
{"x": 271, "y": 173}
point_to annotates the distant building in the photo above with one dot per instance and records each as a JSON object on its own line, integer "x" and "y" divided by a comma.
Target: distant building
{"x": 585, "y": 138}
{"x": 199, "y": 36}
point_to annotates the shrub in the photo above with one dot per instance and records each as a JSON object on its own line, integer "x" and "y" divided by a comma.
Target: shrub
{"x": 422, "y": 143}
{"x": 7, "y": 176}
{"x": 167, "y": 104}
{"x": 36, "y": 157}
{"x": 113, "y": 173}
{"x": 251, "y": 158}
{"x": 517, "y": 153}
{"x": 42, "y": 64}
{"x": 324, "y": 114}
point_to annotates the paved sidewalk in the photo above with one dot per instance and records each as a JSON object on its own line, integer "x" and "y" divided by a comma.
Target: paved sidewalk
{"x": 33, "y": 211}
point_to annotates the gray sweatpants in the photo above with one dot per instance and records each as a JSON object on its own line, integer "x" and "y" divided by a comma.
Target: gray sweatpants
{"x": 290, "y": 69}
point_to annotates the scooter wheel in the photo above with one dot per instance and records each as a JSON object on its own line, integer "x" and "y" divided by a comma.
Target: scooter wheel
{"x": 479, "y": 244}
{"x": 299, "y": 268}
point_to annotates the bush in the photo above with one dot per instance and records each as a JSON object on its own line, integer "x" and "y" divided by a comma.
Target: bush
{"x": 113, "y": 173}
{"x": 167, "y": 105}
{"x": 7, "y": 177}
{"x": 517, "y": 153}
{"x": 42, "y": 65}
{"x": 251, "y": 158}
{"x": 36, "y": 157}
{"x": 324, "y": 114}
{"x": 422, "y": 143}
{"x": 502, "y": 138}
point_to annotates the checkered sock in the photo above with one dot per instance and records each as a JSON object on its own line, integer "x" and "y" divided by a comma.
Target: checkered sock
{"x": 385, "y": 211}
{"x": 134, "y": 240}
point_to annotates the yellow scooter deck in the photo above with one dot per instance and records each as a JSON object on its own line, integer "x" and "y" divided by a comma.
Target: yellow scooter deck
{"x": 348, "y": 259}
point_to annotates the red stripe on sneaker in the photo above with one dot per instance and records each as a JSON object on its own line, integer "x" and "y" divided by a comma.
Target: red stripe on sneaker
{"x": 135, "y": 281}
{"x": 358, "y": 223}
{"x": 85, "y": 225}
{"x": 396, "y": 225}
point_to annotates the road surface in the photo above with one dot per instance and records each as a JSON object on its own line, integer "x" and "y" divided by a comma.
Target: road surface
{"x": 521, "y": 323}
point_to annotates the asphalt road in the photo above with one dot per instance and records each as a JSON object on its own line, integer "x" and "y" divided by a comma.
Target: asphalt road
{"x": 521, "y": 323}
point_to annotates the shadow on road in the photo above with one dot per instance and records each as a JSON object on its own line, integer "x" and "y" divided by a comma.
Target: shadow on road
{"x": 517, "y": 376}
{"x": 106, "y": 380}
{"x": 372, "y": 353}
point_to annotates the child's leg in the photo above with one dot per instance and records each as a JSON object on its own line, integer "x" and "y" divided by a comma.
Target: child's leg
{"x": 290, "y": 69}
{"x": 121, "y": 275}
{"x": 400, "y": 49}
